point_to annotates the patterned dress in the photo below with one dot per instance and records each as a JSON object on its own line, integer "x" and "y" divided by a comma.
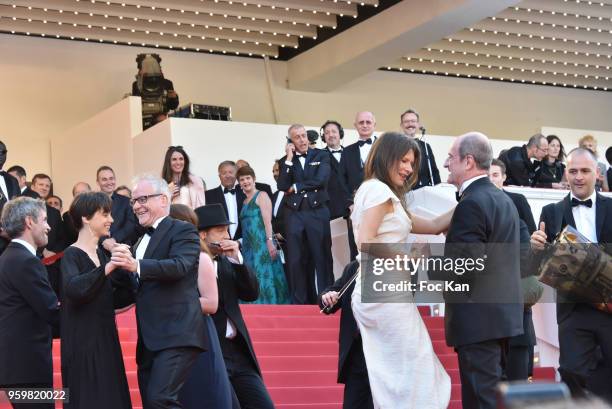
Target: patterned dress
{"x": 272, "y": 280}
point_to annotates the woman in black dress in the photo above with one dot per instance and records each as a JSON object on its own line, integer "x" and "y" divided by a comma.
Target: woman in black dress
{"x": 92, "y": 363}
{"x": 551, "y": 172}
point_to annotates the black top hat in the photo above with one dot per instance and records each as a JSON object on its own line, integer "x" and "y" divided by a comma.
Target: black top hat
{"x": 211, "y": 215}
{"x": 609, "y": 155}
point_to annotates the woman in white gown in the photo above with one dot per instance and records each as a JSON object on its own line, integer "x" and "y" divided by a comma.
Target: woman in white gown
{"x": 403, "y": 369}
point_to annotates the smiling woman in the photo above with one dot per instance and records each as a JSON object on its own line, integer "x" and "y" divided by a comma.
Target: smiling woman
{"x": 186, "y": 188}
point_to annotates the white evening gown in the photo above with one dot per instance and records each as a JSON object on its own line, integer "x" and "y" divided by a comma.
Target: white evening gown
{"x": 403, "y": 369}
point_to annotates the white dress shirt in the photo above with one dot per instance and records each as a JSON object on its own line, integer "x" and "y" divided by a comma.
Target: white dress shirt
{"x": 468, "y": 182}
{"x": 25, "y": 244}
{"x": 230, "y": 329}
{"x": 364, "y": 151}
{"x": 144, "y": 243}
{"x": 585, "y": 218}
{"x": 4, "y": 188}
{"x": 232, "y": 210}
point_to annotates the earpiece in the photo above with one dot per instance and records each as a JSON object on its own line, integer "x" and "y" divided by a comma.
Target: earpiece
{"x": 331, "y": 122}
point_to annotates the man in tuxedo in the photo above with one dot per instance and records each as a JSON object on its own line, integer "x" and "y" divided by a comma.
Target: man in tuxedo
{"x": 352, "y": 369}
{"x": 356, "y": 154}
{"x": 339, "y": 198}
{"x": 236, "y": 283}
{"x": 19, "y": 173}
{"x": 229, "y": 195}
{"x": 497, "y": 175}
{"x": 584, "y": 331}
{"x": 303, "y": 177}
{"x": 28, "y": 305}
{"x": 125, "y": 228}
{"x": 429, "y": 175}
{"x": 70, "y": 231}
{"x": 484, "y": 226}
{"x": 520, "y": 168}
{"x": 9, "y": 188}
{"x": 171, "y": 332}
{"x": 262, "y": 187}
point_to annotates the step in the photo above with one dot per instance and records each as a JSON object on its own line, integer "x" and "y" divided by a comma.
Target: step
{"x": 301, "y": 394}
{"x": 293, "y": 310}
{"x": 286, "y": 321}
{"x": 292, "y": 334}
{"x": 300, "y": 378}
{"x": 547, "y": 373}
{"x": 304, "y": 348}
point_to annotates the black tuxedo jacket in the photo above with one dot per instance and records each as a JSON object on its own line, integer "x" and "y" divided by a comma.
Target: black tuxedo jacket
{"x": 125, "y": 227}
{"x": 558, "y": 215}
{"x": 263, "y": 187}
{"x": 236, "y": 283}
{"x": 311, "y": 181}
{"x": 57, "y": 235}
{"x": 485, "y": 222}
{"x": 349, "y": 331}
{"x": 427, "y": 157}
{"x": 278, "y": 221}
{"x": 339, "y": 198}
{"x": 30, "y": 193}
{"x": 520, "y": 170}
{"x": 70, "y": 232}
{"x": 28, "y": 308}
{"x": 168, "y": 309}
{"x": 352, "y": 168}
{"x": 12, "y": 187}
{"x": 216, "y": 196}
{"x": 524, "y": 210}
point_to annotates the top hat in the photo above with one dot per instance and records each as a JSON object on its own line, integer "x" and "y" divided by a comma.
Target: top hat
{"x": 211, "y": 215}
{"x": 609, "y": 155}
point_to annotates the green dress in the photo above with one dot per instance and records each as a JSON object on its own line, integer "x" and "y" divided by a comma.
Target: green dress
{"x": 270, "y": 273}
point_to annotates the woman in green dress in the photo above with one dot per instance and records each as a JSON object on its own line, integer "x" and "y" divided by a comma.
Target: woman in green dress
{"x": 258, "y": 245}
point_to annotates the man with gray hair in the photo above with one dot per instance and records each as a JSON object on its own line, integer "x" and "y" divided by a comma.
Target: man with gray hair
{"x": 520, "y": 170}
{"x": 28, "y": 305}
{"x": 485, "y": 228}
{"x": 171, "y": 332}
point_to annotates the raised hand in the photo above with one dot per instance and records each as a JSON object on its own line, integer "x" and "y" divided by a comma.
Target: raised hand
{"x": 539, "y": 238}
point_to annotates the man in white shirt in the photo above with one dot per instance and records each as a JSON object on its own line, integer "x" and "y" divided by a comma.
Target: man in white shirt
{"x": 356, "y": 154}
{"x": 229, "y": 195}
{"x": 585, "y": 329}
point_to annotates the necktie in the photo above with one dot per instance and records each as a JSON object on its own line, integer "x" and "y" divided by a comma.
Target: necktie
{"x": 576, "y": 202}
{"x": 232, "y": 191}
{"x": 150, "y": 230}
{"x": 363, "y": 142}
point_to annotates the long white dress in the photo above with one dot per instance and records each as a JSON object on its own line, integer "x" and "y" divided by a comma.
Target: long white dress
{"x": 403, "y": 369}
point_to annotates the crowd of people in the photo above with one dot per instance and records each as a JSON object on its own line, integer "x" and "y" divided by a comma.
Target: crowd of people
{"x": 187, "y": 256}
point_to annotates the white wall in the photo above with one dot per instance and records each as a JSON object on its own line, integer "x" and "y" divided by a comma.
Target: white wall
{"x": 49, "y": 86}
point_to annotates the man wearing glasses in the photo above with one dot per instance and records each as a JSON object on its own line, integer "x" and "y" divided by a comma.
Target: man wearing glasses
{"x": 520, "y": 169}
{"x": 171, "y": 332}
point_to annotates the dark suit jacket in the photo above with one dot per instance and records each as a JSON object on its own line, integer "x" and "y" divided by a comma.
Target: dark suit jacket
{"x": 125, "y": 227}
{"x": 168, "y": 309}
{"x": 352, "y": 168}
{"x": 70, "y": 232}
{"x": 30, "y": 193}
{"x": 558, "y": 215}
{"x": 278, "y": 221}
{"x": 520, "y": 170}
{"x": 28, "y": 308}
{"x": 263, "y": 187}
{"x": 236, "y": 283}
{"x": 13, "y": 190}
{"x": 485, "y": 222}
{"x": 57, "y": 236}
{"x": 524, "y": 210}
{"x": 216, "y": 196}
{"x": 427, "y": 158}
{"x": 339, "y": 198}
{"x": 310, "y": 181}
{"x": 348, "y": 326}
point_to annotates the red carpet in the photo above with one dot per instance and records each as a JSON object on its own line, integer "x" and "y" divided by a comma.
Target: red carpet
{"x": 297, "y": 349}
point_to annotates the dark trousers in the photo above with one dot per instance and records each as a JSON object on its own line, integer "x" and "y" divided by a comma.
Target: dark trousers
{"x": 585, "y": 342}
{"x": 245, "y": 379}
{"x": 517, "y": 362}
{"x": 357, "y": 393}
{"x": 308, "y": 237}
{"x": 480, "y": 369}
{"x": 33, "y": 405}
{"x": 162, "y": 377}
{"x": 351, "y": 240}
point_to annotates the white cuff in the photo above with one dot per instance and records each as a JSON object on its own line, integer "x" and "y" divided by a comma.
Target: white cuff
{"x": 288, "y": 163}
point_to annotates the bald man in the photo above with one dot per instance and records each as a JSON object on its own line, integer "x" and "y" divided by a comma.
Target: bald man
{"x": 585, "y": 333}
{"x": 356, "y": 154}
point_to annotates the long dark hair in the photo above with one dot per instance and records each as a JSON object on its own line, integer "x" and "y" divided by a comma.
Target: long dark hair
{"x": 384, "y": 157}
{"x": 561, "y": 156}
{"x": 167, "y": 174}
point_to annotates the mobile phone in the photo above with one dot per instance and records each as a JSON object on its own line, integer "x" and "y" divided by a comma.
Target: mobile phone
{"x": 215, "y": 244}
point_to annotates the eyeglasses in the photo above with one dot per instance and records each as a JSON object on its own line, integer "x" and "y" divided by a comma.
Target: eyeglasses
{"x": 143, "y": 199}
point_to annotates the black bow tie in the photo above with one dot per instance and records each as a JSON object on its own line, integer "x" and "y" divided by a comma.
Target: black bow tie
{"x": 336, "y": 150}
{"x": 363, "y": 142}
{"x": 150, "y": 230}
{"x": 232, "y": 191}
{"x": 576, "y": 202}
{"x": 300, "y": 155}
